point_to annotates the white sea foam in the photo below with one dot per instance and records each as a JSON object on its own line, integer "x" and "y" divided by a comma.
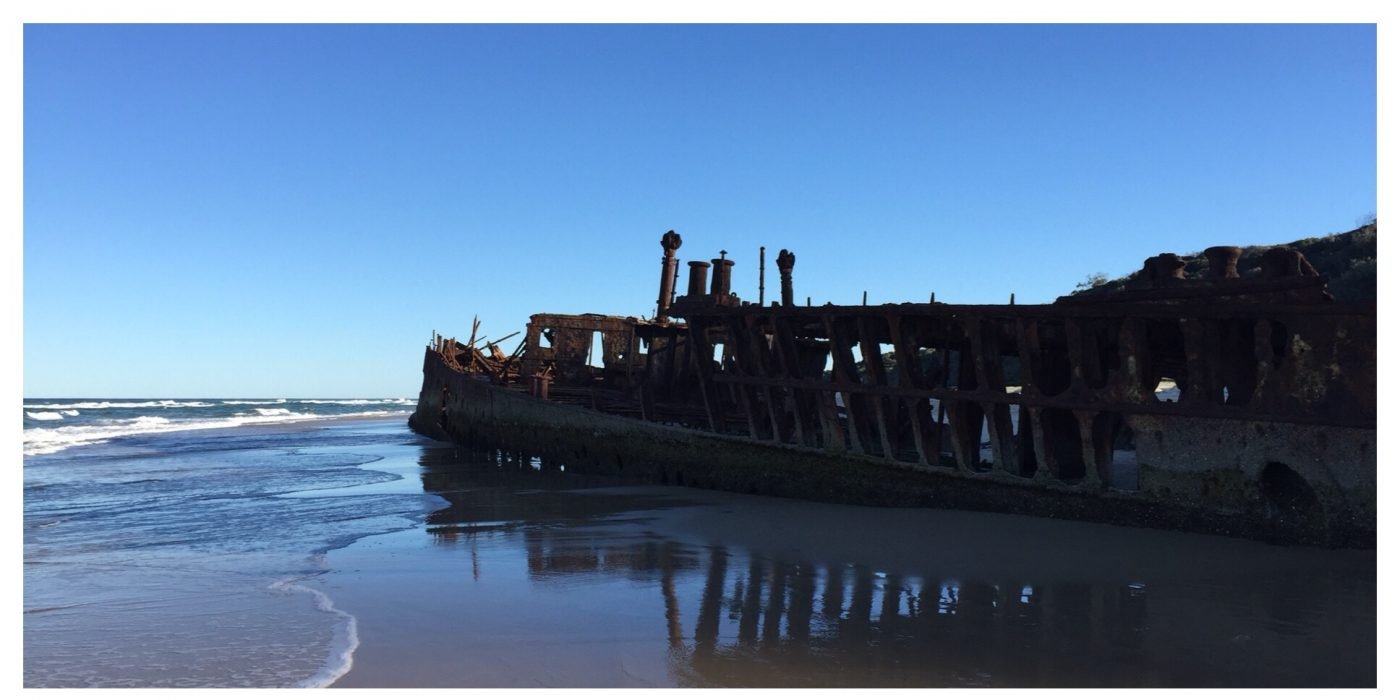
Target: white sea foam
{"x": 340, "y": 656}
{"x": 39, "y": 441}
{"x": 274, "y": 411}
{"x": 44, "y": 415}
{"x": 98, "y": 405}
{"x": 69, "y": 413}
{"x": 334, "y": 402}
{"x": 348, "y": 402}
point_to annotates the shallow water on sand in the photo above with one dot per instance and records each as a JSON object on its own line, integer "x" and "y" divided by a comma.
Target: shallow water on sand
{"x": 536, "y": 578}
{"x": 182, "y": 560}
{"x": 359, "y": 554}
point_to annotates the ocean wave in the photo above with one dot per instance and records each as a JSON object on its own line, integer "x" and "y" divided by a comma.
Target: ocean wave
{"x": 173, "y": 403}
{"x": 69, "y": 413}
{"x": 40, "y": 441}
{"x": 98, "y": 405}
{"x": 274, "y": 411}
{"x": 352, "y": 402}
{"x": 44, "y": 415}
{"x": 340, "y": 656}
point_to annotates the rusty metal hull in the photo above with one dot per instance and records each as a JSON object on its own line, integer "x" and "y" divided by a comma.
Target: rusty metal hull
{"x": 1223, "y": 500}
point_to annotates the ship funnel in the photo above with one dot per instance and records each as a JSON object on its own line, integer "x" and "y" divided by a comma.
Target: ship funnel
{"x": 1286, "y": 262}
{"x": 785, "y": 262}
{"x": 670, "y": 243}
{"x": 1164, "y": 269}
{"x": 699, "y": 272}
{"x": 1224, "y": 261}
{"x": 719, "y": 285}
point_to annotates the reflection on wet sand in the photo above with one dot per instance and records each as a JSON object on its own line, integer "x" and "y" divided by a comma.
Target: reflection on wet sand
{"x": 800, "y": 624}
{"x": 734, "y": 616}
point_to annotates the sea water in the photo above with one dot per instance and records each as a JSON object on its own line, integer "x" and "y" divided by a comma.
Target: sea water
{"x": 53, "y": 425}
{"x": 161, "y": 547}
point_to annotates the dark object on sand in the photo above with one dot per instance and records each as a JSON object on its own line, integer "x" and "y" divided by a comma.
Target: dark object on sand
{"x": 1271, "y": 432}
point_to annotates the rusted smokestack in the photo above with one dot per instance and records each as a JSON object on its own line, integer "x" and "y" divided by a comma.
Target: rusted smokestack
{"x": 699, "y": 271}
{"x": 719, "y": 284}
{"x": 1224, "y": 260}
{"x": 785, "y": 262}
{"x": 670, "y": 242}
{"x": 727, "y": 272}
{"x": 1286, "y": 262}
{"x": 1164, "y": 268}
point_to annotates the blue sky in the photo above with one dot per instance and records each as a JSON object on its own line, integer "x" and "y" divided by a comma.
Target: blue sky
{"x": 291, "y": 210}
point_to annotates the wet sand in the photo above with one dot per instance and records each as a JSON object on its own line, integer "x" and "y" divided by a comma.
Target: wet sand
{"x": 533, "y": 579}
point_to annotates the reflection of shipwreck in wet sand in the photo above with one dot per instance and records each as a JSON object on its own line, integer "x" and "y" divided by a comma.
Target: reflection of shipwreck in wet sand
{"x": 775, "y": 623}
{"x": 733, "y": 617}
{"x": 1037, "y": 409}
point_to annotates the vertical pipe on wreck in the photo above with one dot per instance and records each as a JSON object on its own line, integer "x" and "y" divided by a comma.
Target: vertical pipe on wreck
{"x": 670, "y": 243}
{"x": 699, "y": 272}
{"x": 785, "y": 262}
{"x": 760, "y": 275}
{"x": 719, "y": 283}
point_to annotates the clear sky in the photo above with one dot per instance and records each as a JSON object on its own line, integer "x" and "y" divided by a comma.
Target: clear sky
{"x": 289, "y": 211}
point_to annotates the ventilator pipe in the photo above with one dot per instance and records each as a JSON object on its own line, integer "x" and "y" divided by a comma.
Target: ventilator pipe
{"x": 670, "y": 243}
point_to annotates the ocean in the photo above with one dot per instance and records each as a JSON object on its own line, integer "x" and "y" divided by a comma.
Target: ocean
{"x": 52, "y": 425}
{"x": 309, "y": 543}
{"x": 163, "y": 547}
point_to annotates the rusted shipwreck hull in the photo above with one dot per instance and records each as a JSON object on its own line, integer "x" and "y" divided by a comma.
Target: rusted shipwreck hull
{"x": 1051, "y": 410}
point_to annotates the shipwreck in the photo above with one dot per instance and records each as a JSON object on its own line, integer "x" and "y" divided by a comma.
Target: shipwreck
{"x": 1226, "y": 404}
